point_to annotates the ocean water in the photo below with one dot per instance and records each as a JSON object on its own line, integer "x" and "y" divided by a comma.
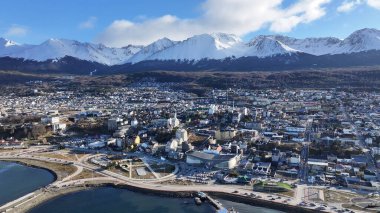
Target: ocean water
{"x": 114, "y": 200}
{"x": 245, "y": 208}
{"x": 17, "y": 180}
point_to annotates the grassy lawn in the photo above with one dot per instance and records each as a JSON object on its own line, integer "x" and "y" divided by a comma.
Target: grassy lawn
{"x": 338, "y": 197}
{"x": 134, "y": 174}
{"x": 54, "y": 155}
{"x": 284, "y": 185}
{"x": 87, "y": 174}
{"x": 164, "y": 169}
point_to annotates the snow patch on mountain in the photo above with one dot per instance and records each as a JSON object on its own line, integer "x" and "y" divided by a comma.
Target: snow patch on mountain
{"x": 359, "y": 41}
{"x": 210, "y": 46}
{"x": 264, "y": 46}
{"x": 313, "y": 46}
{"x": 152, "y": 49}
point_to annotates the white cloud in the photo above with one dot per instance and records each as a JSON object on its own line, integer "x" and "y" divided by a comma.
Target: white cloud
{"x": 374, "y": 3}
{"x": 89, "y": 23}
{"x": 301, "y": 12}
{"x": 239, "y": 17}
{"x": 16, "y": 30}
{"x": 349, "y": 5}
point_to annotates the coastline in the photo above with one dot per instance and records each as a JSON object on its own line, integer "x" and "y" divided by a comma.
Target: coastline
{"x": 50, "y": 194}
{"x": 179, "y": 194}
{"x": 23, "y": 162}
{"x": 59, "y": 173}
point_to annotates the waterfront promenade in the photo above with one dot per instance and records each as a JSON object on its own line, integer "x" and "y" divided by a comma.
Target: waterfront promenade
{"x": 69, "y": 183}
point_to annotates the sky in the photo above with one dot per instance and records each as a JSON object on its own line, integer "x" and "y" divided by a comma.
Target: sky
{"x": 118, "y": 23}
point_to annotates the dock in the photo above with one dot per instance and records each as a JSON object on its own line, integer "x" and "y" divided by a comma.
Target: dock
{"x": 219, "y": 207}
{"x": 213, "y": 202}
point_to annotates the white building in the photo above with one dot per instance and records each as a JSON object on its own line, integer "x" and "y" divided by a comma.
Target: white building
{"x": 171, "y": 145}
{"x": 295, "y": 159}
{"x": 204, "y": 122}
{"x": 212, "y": 160}
{"x": 54, "y": 121}
{"x": 245, "y": 111}
{"x": 97, "y": 145}
{"x": 375, "y": 151}
{"x": 295, "y": 129}
{"x": 212, "y": 110}
{"x": 50, "y": 120}
{"x": 181, "y": 135}
{"x": 173, "y": 122}
{"x": 59, "y": 127}
{"x": 134, "y": 122}
{"x": 261, "y": 168}
{"x": 368, "y": 141}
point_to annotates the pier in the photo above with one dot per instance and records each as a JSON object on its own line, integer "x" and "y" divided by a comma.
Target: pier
{"x": 219, "y": 207}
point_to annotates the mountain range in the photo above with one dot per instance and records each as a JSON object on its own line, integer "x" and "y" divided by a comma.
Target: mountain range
{"x": 217, "y": 51}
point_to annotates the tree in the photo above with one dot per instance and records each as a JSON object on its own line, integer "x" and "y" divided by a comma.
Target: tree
{"x": 38, "y": 130}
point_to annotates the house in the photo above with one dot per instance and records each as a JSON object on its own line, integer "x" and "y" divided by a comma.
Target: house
{"x": 356, "y": 183}
{"x": 369, "y": 175}
{"x": 261, "y": 168}
{"x": 294, "y": 159}
{"x": 359, "y": 160}
{"x": 213, "y": 149}
{"x": 317, "y": 164}
{"x": 225, "y": 134}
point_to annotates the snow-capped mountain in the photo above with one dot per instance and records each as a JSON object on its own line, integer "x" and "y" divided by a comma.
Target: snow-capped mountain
{"x": 313, "y": 46}
{"x": 216, "y": 46}
{"x": 361, "y": 40}
{"x": 152, "y": 49}
{"x": 211, "y": 46}
{"x": 7, "y": 43}
{"x": 59, "y": 48}
{"x": 264, "y": 46}
{"x": 220, "y": 46}
{"x": 8, "y": 47}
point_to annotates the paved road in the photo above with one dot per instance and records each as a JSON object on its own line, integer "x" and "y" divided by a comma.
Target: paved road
{"x": 145, "y": 184}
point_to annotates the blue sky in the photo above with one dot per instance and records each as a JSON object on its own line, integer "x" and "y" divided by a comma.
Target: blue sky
{"x": 120, "y": 22}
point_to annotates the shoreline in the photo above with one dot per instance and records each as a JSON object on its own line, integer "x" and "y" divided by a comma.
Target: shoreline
{"x": 21, "y": 162}
{"x": 227, "y": 196}
{"x": 159, "y": 191}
